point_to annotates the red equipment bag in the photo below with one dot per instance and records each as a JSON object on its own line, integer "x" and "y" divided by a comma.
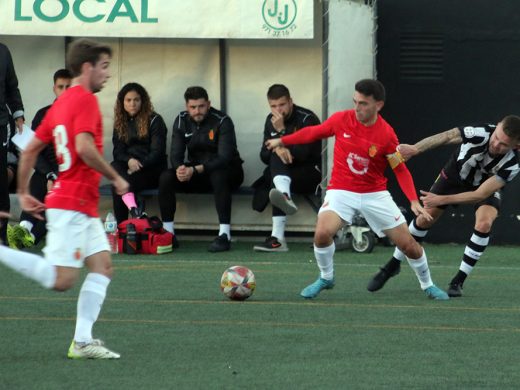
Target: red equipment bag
{"x": 144, "y": 236}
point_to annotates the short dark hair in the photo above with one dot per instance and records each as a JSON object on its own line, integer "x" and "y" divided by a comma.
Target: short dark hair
{"x": 62, "y": 74}
{"x": 85, "y": 50}
{"x": 511, "y": 126}
{"x": 370, "y": 87}
{"x": 195, "y": 93}
{"x": 277, "y": 91}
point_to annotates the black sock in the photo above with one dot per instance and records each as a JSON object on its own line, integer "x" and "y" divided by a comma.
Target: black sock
{"x": 392, "y": 264}
{"x": 459, "y": 278}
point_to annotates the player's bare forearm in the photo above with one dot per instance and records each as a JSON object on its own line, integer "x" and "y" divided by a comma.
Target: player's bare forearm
{"x": 445, "y": 138}
{"x": 484, "y": 191}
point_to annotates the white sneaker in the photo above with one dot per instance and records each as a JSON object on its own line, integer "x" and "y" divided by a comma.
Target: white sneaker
{"x": 282, "y": 201}
{"x": 92, "y": 350}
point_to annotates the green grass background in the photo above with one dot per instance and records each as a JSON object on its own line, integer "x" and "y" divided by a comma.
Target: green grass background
{"x": 175, "y": 330}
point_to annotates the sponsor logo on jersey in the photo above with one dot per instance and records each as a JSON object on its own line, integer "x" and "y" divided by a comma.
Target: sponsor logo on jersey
{"x": 357, "y": 164}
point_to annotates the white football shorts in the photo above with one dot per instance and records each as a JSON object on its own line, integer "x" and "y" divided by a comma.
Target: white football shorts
{"x": 378, "y": 208}
{"x": 72, "y": 236}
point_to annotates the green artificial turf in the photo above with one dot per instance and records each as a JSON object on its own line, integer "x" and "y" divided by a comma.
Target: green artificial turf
{"x": 175, "y": 330}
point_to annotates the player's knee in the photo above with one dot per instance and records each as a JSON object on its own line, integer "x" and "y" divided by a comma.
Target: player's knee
{"x": 105, "y": 270}
{"x": 411, "y": 249}
{"x": 484, "y": 226}
{"x": 323, "y": 238}
{"x": 64, "y": 283}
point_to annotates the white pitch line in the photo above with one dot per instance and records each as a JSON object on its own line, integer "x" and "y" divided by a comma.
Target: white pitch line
{"x": 337, "y": 264}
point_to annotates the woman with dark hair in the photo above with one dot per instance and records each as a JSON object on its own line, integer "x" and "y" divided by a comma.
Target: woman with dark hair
{"x": 139, "y": 146}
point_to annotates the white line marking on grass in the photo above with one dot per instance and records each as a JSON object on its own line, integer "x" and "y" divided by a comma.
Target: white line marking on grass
{"x": 256, "y": 324}
{"x": 430, "y": 305}
{"x": 253, "y": 263}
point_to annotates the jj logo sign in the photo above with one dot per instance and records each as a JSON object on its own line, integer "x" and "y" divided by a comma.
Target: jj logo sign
{"x": 279, "y": 17}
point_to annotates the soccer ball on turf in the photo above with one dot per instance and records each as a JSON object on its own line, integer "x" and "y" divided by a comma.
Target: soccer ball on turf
{"x": 238, "y": 283}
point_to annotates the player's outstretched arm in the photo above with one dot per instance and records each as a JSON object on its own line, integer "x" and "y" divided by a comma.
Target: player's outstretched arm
{"x": 484, "y": 191}
{"x": 88, "y": 152}
{"x": 445, "y": 138}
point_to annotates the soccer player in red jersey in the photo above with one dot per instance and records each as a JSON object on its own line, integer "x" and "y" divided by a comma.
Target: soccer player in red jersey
{"x": 75, "y": 232}
{"x": 364, "y": 145}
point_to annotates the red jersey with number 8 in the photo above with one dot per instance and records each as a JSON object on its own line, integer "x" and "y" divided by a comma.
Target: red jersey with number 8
{"x": 77, "y": 188}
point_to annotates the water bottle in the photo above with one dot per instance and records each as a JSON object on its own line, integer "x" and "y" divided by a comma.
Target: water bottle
{"x": 131, "y": 239}
{"x": 111, "y": 232}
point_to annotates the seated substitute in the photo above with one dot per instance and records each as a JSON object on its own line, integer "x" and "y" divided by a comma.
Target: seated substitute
{"x": 290, "y": 169}
{"x": 32, "y": 230}
{"x": 212, "y": 163}
{"x": 139, "y": 147}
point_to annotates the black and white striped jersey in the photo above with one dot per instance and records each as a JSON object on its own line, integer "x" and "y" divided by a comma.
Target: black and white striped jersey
{"x": 472, "y": 164}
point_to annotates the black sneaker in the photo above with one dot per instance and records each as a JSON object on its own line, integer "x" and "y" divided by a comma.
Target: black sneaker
{"x": 134, "y": 212}
{"x": 455, "y": 290}
{"x": 271, "y": 244}
{"x": 379, "y": 279}
{"x": 220, "y": 244}
{"x": 175, "y": 242}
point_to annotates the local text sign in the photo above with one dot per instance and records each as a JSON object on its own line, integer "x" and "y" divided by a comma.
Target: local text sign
{"x": 159, "y": 18}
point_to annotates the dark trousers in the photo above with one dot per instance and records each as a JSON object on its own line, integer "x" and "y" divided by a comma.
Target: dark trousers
{"x": 144, "y": 179}
{"x": 4, "y": 187}
{"x": 38, "y": 189}
{"x": 305, "y": 177}
{"x": 221, "y": 183}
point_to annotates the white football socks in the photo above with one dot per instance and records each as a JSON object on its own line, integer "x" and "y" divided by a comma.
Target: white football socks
{"x": 27, "y": 225}
{"x": 420, "y": 266}
{"x": 29, "y": 265}
{"x": 169, "y": 227}
{"x": 225, "y": 228}
{"x": 90, "y": 300}
{"x": 279, "y": 227}
{"x": 283, "y": 184}
{"x": 399, "y": 255}
{"x": 324, "y": 258}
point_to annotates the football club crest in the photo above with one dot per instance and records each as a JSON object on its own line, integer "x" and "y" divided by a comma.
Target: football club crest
{"x": 211, "y": 135}
{"x": 77, "y": 254}
{"x": 372, "y": 151}
{"x": 469, "y": 132}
